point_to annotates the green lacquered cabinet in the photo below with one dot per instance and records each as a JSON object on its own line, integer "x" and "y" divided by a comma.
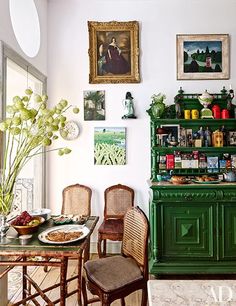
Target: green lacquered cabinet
{"x": 193, "y": 226}
{"x": 193, "y": 229}
{"x": 188, "y": 231}
{"x": 228, "y": 231}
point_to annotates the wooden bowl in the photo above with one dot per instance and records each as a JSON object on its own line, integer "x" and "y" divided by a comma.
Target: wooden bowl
{"x": 28, "y": 229}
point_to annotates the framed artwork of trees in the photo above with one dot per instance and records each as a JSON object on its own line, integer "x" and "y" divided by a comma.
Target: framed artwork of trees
{"x": 202, "y": 56}
{"x": 94, "y": 105}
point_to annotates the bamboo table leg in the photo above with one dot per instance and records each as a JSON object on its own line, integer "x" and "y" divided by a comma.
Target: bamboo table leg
{"x": 63, "y": 283}
{"x": 24, "y": 281}
{"x": 3, "y": 286}
{"x": 79, "y": 280}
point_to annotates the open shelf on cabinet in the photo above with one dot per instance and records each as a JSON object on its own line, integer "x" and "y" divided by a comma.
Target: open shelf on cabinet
{"x": 216, "y": 150}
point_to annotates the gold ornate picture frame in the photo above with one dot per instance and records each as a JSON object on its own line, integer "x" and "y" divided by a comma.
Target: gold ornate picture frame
{"x": 202, "y": 56}
{"x": 114, "y": 52}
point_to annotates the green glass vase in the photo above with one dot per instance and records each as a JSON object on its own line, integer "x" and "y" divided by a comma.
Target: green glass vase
{"x": 158, "y": 109}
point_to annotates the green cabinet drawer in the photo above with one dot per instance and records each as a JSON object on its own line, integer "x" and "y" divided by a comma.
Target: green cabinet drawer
{"x": 227, "y": 231}
{"x": 185, "y": 195}
{"x": 187, "y": 231}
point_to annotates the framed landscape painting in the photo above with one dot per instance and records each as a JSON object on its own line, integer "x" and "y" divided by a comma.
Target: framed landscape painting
{"x": 109, "y": 146}
{"x": 114, "y": 52}
{"x": 202, "y": 56}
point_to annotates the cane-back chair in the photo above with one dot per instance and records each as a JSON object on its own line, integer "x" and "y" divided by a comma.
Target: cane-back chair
{"x": 76, "y": 200}
{"x": 118, "y": 199}
{"x": 115, "y": 277}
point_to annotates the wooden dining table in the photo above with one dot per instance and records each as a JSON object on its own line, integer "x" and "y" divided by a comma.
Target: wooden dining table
{"x": 56, "y": 255}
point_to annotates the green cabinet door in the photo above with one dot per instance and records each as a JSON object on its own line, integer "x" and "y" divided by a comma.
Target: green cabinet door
{"x": 187, "y": 231}
{"x": 227, "y": 231}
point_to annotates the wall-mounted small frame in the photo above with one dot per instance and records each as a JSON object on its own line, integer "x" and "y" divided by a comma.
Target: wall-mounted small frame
{"x": 94, "y": 105}
{"x": 172, "y": 137}
{"x": 109, "y": 145}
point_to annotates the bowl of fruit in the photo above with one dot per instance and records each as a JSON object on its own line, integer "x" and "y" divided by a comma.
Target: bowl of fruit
{"x": 26, "y": 224}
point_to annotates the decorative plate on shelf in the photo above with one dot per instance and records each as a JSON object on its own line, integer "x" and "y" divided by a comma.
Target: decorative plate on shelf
{"x": 206, "y": 182}
{"x": 70, "y": 130}
{"x": 179, "y": 180}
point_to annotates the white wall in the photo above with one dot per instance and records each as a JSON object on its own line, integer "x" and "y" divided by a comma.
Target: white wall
{"x": 7, "y": 34}
{"x": 68, "y": 70}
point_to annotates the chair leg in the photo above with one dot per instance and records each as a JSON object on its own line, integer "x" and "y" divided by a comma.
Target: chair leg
{"x": 84, "y": 291}
{"x": 105, "y": 301}
{"x": 101, "y": 251}
{"x": 87, "y": 252}
{"x": 104, "y": 252}
{"x": 122, "y": 301}
{"x": 99, "y": 246}
{"x": 144, "y": 296}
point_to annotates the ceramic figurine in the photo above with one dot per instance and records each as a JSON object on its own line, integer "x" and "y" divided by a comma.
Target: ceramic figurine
{"x": 128, "y": 107}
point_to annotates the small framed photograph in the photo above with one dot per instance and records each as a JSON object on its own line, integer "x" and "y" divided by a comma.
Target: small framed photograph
{"x": 173, "y": 135}
{"x": 202, "y": 56}
{"x": 94, "y": 105}
{"x": 114, "y": 52}
{"x": 232, "y": 138}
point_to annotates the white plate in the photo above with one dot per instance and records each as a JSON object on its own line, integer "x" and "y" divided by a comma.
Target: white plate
{"x": 65, "y": 228}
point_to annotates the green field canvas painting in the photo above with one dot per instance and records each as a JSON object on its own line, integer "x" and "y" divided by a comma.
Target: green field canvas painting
{"x": 109, "y": 146}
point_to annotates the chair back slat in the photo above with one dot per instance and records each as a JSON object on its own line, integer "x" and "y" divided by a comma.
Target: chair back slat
{"x": 135, "y": 236}
{"x": 118, "y": 199}
{"x": 76, "y": 200}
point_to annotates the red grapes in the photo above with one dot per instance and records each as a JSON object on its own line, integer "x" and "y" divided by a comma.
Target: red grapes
{"x": 23, "y": 219}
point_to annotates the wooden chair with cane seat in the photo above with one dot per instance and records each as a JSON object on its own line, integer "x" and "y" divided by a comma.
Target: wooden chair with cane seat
{"x": 118, "y": 199}
{"x": 115, "y": 277}
{"x": 76, "y": 200}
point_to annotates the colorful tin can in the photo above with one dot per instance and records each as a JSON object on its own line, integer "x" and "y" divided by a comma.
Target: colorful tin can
{"x": 187, "y": 114}
{"x": 195, "y": 114}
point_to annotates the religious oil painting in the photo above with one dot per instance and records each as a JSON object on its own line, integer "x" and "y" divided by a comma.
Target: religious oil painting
{"x": 109, "y": 145}
{"x": 203, "y": 56}
{"x": 94, "y": 105}
{"x": 114, "y": 52}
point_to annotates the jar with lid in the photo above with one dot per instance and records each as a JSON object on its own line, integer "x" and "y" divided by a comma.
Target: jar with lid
{"x": 216, "y": 111}
{"x": 224, "y": 114}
